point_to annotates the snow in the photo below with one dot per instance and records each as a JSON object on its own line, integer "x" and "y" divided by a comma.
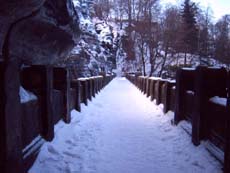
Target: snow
{"x": 190, "y": 92}
{"x": 83, "y": 79}
{"x": 219, "y": 100}
{"x": 189, "y": 69}
{"x": 26, "y": 96}
{"x": 121, "y": 131}
{"x": 98, "y": 41}
{"x": 155, "y": 78}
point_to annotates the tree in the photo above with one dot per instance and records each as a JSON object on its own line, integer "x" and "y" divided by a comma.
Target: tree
{"x": 169, "y": 27}
{"x": 222, "y": 42}
{"x": 146, "y": 28}
{"x": 102, "y": 9}
{"x": 205, "y": 36}
{"x": 190, "y": 31}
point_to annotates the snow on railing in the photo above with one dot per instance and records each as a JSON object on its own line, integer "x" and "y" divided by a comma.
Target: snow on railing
{"x": 26, "y": 96}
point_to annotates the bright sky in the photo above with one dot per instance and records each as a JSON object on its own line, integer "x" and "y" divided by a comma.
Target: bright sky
{"x": 219, "y": 7}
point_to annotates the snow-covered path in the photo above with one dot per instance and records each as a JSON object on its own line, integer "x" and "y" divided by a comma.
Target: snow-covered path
{"x": 121, "y": 131}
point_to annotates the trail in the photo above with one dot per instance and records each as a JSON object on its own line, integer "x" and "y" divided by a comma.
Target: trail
{"x": 122, "y": 131}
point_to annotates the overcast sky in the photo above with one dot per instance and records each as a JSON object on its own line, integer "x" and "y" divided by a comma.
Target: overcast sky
{"x": 219, "y": 7}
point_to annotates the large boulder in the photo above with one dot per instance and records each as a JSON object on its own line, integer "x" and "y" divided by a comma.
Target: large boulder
{"x": 37, "y": 31}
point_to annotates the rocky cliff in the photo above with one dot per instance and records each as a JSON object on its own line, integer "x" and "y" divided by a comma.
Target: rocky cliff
{"x": 37, "y": 31}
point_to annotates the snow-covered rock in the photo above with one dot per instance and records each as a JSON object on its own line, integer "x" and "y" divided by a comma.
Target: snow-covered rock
{"x": 98, "y": 43}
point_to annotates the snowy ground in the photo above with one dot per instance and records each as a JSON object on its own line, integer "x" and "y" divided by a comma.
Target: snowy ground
{"x": 121, "y": 131}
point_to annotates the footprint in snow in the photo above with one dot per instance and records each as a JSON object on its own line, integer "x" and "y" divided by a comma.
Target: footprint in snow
{"x": 178, "y": 152}
{"x": 73, "y": 155}
{"x": 50, "y": 159}
{"x": 167, "y": 129}
{"x": 53, "y": 150}
{"x": 197, "y": 164}
{"x": 69, "y": 142}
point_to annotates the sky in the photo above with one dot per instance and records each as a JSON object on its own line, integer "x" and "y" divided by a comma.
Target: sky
{"x": 219, "y": 7}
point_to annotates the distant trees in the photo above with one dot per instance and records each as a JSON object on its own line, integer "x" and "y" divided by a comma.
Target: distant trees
{"x": 102, "y": 8}
{"x": 170, "y": 37}
{"x": 205, "y": 36}
{"x": 155, "y": 38}
{"x": 146, "y": 28}
{"x": 222, "y": 40}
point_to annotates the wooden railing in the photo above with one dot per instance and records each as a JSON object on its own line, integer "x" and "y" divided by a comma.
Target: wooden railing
{"x": 195, "y": 98}
{"x": 57, "y": 94}
{"x": 163, "y": 91}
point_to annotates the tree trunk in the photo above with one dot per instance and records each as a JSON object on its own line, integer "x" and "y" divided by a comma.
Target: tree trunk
{"x": 151, "y": 57}
{"x": 185, "y": 58}
{"x": 163, "y": 64}
{"x": 143, "y": 63}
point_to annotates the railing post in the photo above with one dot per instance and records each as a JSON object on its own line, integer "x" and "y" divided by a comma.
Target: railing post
{"x": 93, "y": 87}
{"x": 148, "y": 87}
{"x": 199, "y": 110}
{"x": 227, "y": 145}
{"x": 227, "y": 134}
{"x": 166, "y": 96}
{"x": 152, "y": 89}
{"x": 68, "y": 87}
{"x": 183, "y": 77}
{"x": 76, "y": 85}
{"x": 89, "y": 88}
{"x": 157, "y": 92}
{"x": 179, "y": 103}
{"x": 62, "y": 82}
{"x": 84, "y": 90}
{"x": 2, "y": 119}
{"x": 49, "y": 130}
{"x": 12, "y": 118}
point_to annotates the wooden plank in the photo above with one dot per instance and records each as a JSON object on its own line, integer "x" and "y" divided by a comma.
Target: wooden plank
{"x": 2, "y": 119}
{"x": 227, "y": 133}
{"x": 76, "y": 85}
{"x": 49, "y": 134}
{"x": 13, "y": 121}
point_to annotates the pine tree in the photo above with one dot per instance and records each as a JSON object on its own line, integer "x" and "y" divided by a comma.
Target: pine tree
{"x": 190, "y": 31}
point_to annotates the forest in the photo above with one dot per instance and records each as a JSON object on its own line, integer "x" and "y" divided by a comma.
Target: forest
{"x": 158, "y": 39}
